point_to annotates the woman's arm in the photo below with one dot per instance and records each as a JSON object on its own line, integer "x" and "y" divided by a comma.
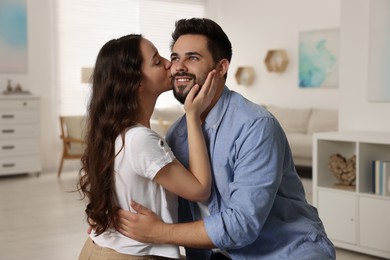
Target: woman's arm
{"x": 195, "y": 183}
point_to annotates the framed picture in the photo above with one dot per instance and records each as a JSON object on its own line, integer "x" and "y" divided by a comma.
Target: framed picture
{"x": 378, "y": 86}
{"x": 13, "y": 36}
{"x": 319, "y": 59}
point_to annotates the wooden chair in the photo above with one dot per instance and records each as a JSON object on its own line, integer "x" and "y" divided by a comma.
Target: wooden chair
{"x": 72, "y": 137}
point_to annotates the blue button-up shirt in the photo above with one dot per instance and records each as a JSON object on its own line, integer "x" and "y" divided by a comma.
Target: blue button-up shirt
{"x": 257, "y": 207}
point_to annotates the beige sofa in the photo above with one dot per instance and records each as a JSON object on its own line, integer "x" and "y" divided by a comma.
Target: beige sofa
{"x": 298, "y": 123}
{"x": 163, "y": 118}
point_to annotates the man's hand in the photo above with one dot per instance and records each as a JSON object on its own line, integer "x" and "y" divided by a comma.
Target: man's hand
{"x": 143, "y": 226}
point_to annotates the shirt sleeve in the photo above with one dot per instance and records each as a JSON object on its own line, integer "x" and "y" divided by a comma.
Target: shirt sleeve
{"x": 257, "y": 171}
{"x": 149, "y": 152}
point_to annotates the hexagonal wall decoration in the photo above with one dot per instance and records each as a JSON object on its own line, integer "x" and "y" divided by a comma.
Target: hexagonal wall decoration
{"x": 245, "y": 75}
{"x": 276, "y": 60}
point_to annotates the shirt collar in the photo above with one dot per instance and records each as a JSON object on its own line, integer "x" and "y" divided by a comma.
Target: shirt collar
{"x": 215, "y": 115}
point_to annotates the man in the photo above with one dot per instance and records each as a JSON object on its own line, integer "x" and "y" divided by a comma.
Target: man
{"x": 257, "y": 209}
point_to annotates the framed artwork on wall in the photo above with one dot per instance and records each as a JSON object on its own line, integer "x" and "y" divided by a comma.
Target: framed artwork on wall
{"x": 378, "y": 86}
{"x": 319, "y": 59}
{"x": 13, "y": 36}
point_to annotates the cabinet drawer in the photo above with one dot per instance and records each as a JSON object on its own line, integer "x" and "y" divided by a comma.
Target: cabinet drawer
{"x": 20, "y": 164}
{"x": 17, "y": 131}
{"x": 338, "y": 213}
{"x": 375, "y": 223}
{"x": 19, "y": 147}
{"x": 18, "y": 104}
{"x": 9, "y": 117}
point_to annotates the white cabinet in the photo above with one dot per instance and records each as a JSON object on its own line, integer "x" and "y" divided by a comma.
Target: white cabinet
{"x": 354, "y": 217}
{"x": 19, "y": 135}
{"x": 374, "y": 223}
{"x": 342, "y": 225}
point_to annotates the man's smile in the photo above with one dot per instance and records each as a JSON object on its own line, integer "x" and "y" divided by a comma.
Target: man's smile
{"x": 183, "y": 80}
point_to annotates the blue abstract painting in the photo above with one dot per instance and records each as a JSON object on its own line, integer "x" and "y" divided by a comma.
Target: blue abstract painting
{"x": 319, "y": 59}
{"x": 379, "y": 52}
{"x": 13, "y": 36}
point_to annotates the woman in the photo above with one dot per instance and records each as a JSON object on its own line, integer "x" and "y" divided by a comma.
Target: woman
{"x": 125, "y": 160}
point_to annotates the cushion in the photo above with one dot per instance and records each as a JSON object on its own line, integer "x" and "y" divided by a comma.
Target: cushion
{"x": 168, "y": 113}
{"x": 292, "y": 120}
{"x": 163, "y": 118}
{"x": 75, "y": 126}
{"x": 160, "y": 127}
{"x": 323, "y": 120}
{"x": 301, "y": 144}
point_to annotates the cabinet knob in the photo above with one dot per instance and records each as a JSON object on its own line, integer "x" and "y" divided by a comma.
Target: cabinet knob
{"x": 8, "y": 147}
{"x": 8, "y": 165}
{"x": 7, "y": 116}
{"x": 352, "y": 219}
{"x": 8, "y": 131}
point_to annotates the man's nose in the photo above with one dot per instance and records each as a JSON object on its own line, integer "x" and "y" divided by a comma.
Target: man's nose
{"x": 179, "y": 66}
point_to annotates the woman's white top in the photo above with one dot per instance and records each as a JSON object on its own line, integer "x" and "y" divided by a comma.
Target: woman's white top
{"x": 142, "y": 156}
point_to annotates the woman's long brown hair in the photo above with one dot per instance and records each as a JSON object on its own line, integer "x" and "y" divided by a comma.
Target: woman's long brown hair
{"x": 113, "y": 107}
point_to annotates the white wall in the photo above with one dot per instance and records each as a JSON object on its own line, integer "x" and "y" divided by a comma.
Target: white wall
{"x": 254, "y": 26}
{"x": 356, "y": 113}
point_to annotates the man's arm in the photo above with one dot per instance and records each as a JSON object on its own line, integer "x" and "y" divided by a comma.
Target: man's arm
{"x": 145, "y": 226}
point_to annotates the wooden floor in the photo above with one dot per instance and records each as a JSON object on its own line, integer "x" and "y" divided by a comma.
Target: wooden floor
{"x": 42, "y": 219}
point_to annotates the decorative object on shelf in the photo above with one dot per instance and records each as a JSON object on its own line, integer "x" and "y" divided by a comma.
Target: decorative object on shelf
{"x": 381, "y": 177}
{"x": 319, "y": 59}
{"x": 276, "y": 60}
{"x": 245, "y": 75}
{"x": 343, "y": 169}
{"x": 9, "y": 86}
{"x": 16, "y": 90}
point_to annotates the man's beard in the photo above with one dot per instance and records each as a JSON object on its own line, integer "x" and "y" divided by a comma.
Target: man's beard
{"x": 182, "y": 95}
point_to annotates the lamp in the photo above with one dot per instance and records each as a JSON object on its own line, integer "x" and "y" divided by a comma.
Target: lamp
{"x": 86, "y": 74}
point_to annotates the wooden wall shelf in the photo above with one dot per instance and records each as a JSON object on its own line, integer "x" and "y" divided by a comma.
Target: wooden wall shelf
{"x": 245, "y": 75}
{"x": 276, "y": 60}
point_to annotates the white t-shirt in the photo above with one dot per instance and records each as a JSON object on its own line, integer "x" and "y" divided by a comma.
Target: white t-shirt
{"x": 142, "y": 156}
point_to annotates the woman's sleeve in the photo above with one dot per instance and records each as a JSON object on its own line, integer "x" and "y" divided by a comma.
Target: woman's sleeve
{"x": 149, "y": 153}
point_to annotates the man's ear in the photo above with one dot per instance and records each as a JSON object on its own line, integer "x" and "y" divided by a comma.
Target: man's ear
{"x": 222, "y": 68}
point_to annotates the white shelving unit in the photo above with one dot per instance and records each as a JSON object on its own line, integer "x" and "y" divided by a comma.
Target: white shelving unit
{"x": 19, "y": 135}
{"x": 354, "y": 217}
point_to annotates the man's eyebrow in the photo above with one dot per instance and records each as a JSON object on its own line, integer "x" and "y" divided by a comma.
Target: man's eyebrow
{"x": 193, "y": 53}
{"x": 190, "y": 53}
